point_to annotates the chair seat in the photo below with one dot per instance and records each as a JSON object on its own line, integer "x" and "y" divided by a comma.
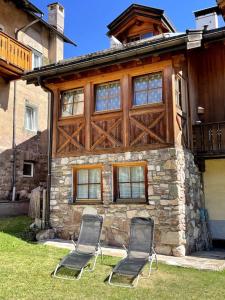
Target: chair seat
{"x": 76, "y": 260}
{"x": 130, "y": 266}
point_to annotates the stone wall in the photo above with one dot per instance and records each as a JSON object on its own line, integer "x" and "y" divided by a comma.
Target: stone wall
{"x": 174, "y": 198}
{"x": 33, "y": 150}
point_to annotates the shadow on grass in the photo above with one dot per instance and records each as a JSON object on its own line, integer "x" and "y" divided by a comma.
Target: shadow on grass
{"x": 18, "y": 227}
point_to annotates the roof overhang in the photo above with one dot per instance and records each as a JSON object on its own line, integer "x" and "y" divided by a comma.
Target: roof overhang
{"x": 107, "y": 58}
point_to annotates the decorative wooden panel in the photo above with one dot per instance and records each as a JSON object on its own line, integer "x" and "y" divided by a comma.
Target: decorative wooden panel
{"x": 70, "y": 136}
{"x": 106, "y": 131}
{"x": 147, "y": 127}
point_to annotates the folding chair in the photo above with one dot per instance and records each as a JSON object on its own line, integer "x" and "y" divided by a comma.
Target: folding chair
{"x": 139, "y": 253}
{"x": 86, "y": 248}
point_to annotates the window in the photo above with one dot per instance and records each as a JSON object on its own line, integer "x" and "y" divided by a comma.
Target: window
{"x": 139, "y": 37}
{"x": 88, "y": 184}
{"x": 107, "y": 96}
{"x": 28, "y": 169}
{"x": 30, "y": 118}
{"x": 148, "y": 89}
{"x": 36, "y": 59}
{"x": 72, "y": 102}
{"x": 180, "y": 92}
{"x": 130, "y": 181}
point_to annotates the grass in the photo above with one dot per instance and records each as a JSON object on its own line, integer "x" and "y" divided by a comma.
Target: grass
{"x": 25, "y": 270}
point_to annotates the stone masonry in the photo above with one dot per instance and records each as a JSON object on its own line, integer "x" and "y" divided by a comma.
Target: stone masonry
{"x": 33, "y": 150}
{"x": 174, "y": 199}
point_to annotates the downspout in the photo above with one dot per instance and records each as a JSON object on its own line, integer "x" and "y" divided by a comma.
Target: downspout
{"x": 14, "y": 117}
{"x": 50, "y": 129}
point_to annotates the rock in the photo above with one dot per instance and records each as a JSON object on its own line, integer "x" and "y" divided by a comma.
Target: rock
{"x": 165, "y": 250}
{"x": 179, "y": 251}
{"x": 45, "y": 235}
{"x": 131, "y": 214}
{"x": 170, "y": 165}
{"x": 23, "y": 195}
{"x": 171, "y": 237}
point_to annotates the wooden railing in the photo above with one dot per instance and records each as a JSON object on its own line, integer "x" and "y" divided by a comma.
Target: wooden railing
{"x": 209, "y": 138}
{"x": 15, "y": 53}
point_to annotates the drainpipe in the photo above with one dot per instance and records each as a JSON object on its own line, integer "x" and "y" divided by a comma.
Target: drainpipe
{"x": 50, "y": 128}
{"x": 14, "y": 117}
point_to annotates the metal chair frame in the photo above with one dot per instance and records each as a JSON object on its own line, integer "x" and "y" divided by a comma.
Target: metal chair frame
{"x": 151, "y": 258}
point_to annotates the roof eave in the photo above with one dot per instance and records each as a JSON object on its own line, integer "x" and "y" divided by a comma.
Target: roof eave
{"x": 128, "y": 54}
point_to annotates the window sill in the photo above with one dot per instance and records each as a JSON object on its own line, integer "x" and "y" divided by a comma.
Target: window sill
{"x": 130, "y": 201}
{"x": 103, "y": 112}
{"x": 30, "y": 131}
{"x": 71, "y": 117}
{"x": 87, "y": 202}
{"x": 155, "y": 104}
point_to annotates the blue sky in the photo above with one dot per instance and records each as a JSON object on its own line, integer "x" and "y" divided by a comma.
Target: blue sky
{"x": 86, "y": 21}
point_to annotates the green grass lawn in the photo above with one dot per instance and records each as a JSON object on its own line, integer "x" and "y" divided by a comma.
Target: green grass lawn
{"x": 25, "y": 270}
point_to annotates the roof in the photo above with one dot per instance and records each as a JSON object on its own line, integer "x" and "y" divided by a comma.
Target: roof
{"x": 167, "y": 42}
{"x": 206, "y": 11}
{"x": 148, "y": 9}
{"x": 163, "y": 42}
{"x": 27, "y": 5}
{"x": 32, "y": 10}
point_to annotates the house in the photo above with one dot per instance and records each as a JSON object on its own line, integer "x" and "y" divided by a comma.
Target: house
{"x": 135, "y": 124}
{"x": 26, "y": 42}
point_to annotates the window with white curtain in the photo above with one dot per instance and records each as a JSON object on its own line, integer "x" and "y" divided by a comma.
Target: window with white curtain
{"x": 131, "y": 183}
{"x": 88, "y": 184}
{"x": 72, "y": 102}
{"x": 30, "y": 118}
{"x": 148, "y": 89}
{"x": 36, "y": 59}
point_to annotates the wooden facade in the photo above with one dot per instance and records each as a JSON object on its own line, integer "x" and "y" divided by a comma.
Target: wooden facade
{"x": 208, "y": 93}
{"x": 130, "y": 128}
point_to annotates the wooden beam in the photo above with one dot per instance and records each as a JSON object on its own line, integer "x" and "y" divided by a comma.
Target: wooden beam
{"x": 126, "y": 98}
{"x": 88, "y": 107}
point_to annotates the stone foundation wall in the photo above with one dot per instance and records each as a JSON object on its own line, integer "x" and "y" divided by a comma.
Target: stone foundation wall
{"x": 174, "y": 199}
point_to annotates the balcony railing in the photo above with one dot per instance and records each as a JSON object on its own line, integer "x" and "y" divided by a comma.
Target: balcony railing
{"x": 209, "y": 139}
{"x": 14, "y": 53}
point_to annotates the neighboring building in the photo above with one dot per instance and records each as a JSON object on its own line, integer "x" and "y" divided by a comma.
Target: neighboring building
{"x": 26, "y": 42}
{"x": 127, "y": 137}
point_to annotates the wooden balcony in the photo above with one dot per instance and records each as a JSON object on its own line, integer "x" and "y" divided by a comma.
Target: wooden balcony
{"x": 209, "y": 139}
{"x": 15, "y": 58}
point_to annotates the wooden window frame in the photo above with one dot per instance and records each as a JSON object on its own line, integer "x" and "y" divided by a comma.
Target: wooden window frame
{"x": 95, "y": 97}
{"x": 117, "y": 200}
{"x": 134, "y": 106}
{"x": 85, "y": 201}
{"x": 61, "y": 103}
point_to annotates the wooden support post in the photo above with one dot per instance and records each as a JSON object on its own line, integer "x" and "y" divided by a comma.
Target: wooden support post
{"x": 88, "y": 107}
{"x": 169, "y": 102}
{"x": 126, "y": 98}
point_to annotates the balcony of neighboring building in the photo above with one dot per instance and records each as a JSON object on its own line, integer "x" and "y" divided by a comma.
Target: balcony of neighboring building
{"x": 15, "y": 58}
{"x": 209, "y": 139}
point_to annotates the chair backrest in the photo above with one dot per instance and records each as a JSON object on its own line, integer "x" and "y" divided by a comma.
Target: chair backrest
{"x": 141, "y": 237}
{"x": 90, "y": 231}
